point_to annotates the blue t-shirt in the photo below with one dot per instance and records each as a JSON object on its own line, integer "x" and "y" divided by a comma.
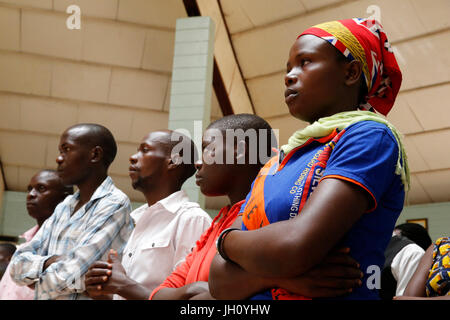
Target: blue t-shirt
{"x": 366, "y": 154}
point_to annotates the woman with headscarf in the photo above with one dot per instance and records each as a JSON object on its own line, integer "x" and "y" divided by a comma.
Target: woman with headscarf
{"x": 341, "y": 76}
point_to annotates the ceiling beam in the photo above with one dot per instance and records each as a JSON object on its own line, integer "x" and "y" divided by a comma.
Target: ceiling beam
{"x": 229, "y": 85}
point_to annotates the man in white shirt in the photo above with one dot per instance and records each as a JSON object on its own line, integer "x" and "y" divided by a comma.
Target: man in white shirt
{"x": 166, "y": 228}
{"x": 403, "y": 254}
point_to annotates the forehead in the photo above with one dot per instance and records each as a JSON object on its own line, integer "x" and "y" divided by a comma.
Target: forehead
{"x": 311, "y": 44}
{"x": 158, "y": 139}
{"x": 75, "y": 135}
{"x": 45, "y": 177}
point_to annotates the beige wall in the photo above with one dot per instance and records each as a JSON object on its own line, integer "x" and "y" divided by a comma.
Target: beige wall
{"x": 114, "y": 71}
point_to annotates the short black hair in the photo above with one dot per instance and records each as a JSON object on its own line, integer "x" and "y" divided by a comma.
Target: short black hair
{"x": 417, "y": 233}
{"x": 98, "y": 135}
{"x": 8, "y": 247}
{"x": 246, "y": 121}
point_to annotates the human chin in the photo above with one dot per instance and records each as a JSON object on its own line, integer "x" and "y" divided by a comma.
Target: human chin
{"x": 136, "y": 183}
{"x": 296, "y": 112}
{"x": 65, "y": 179}
{"x": 33, "y": 211}
{"x": 205, "y": 187}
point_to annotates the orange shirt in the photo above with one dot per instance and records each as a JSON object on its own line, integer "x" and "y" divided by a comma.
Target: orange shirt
{"x": 196, "y": 266}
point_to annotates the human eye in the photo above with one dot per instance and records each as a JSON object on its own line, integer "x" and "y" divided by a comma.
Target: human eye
{"x": 64, "y": 148}
{"x": 288, "y": 68}
{"x": 42, "y": 188}
{"x": 304, "y": 62}
{"x": 143, "y": 148}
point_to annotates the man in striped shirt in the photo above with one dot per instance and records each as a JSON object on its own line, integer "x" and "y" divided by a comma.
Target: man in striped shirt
{"x": 84, "y": 226}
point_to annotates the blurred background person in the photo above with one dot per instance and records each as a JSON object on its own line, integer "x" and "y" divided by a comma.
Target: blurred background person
{"x": 406, "y": 247}
{"x": 45, "y": 191}
{"x": 431, "y": 281}
{"x": 6, "y": 252}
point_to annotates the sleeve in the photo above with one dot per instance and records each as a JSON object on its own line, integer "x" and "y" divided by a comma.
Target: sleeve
{"x": 177, "y": 278}
{"x": 405, "y": 264}
{"x": 189, "y": 231}
{"x": 28, "y": 260}
{"x": 365, "y": 155}
{"x": 66, "y": 276}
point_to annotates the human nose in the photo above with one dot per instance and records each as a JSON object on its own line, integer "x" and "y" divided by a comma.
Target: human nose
{"x": 198, "y": 164}
{"x": 133, "y": 158}
{"x": 31, "y": 194}
{"x": 290, "y": 78}
{"x": 59, "y": 159}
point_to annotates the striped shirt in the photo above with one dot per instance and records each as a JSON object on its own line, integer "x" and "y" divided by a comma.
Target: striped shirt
{"x": 80, "y": 237}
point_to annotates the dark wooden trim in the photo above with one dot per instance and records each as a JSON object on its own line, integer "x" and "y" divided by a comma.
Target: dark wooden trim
{"x": 2, "y": 172}
{"x": 14, "y": 239}
{"x": 235, "y": 58}
{"x": 191, "y": 7}
{"x": 193, "y": 10}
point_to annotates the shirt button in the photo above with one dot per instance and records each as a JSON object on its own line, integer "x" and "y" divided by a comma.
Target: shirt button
{"x": 153, "y": 244}
{"x": 130, "y": 254}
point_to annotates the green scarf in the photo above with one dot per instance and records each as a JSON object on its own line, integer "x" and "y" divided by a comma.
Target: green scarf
{"x": 340, "y": 121}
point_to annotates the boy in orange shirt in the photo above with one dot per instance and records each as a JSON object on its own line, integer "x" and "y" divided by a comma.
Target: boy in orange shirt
{"x": 216, "y": 178}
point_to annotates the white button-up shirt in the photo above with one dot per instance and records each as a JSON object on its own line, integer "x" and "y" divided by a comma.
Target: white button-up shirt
{"x": 164, "y": 235}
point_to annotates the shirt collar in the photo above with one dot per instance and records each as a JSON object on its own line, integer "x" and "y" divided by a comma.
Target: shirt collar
{"x": 173, "y": 202}
{"x": 29, "y": 234}
{"x": 102, "y": 190}
{"x": 137, "y": 213}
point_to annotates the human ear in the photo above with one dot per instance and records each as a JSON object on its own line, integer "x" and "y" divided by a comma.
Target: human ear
{"x": 240, "y": 151}
{"x": 353, "y": 71}
{"x": 96, "y": 154}
{"x": 174, "y": 161}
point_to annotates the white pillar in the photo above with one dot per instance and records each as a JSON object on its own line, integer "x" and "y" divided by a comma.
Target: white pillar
{"x": 190, "y": 96}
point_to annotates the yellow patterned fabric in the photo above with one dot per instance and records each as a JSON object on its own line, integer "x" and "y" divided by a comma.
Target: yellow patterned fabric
{"x": 438, "y": 283}
{"x": 341, "y": 32}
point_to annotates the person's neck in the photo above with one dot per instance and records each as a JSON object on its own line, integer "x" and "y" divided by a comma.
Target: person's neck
{"x": 40, "y": 223}
{"x": 158, "y": 192}
{"x": 88, "y": 187}
{"x": 242, "y": 185}
{"x": 348, "y": 103}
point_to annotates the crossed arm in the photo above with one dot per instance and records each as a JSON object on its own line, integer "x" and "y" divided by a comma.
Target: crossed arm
{"x": 280, "y": 253}
{"x": 58, "y": 275}
{"x": 228, "y": 280}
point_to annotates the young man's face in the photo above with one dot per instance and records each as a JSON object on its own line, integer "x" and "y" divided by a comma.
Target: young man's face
{"x": 150, "y": 162}
{"x": 45, "y": 191}
{"x": 213, "y": 178}
{"x": 74, "y": 158}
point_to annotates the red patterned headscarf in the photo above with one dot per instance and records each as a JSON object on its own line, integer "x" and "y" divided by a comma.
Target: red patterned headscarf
{"x": 365, "y": 41}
